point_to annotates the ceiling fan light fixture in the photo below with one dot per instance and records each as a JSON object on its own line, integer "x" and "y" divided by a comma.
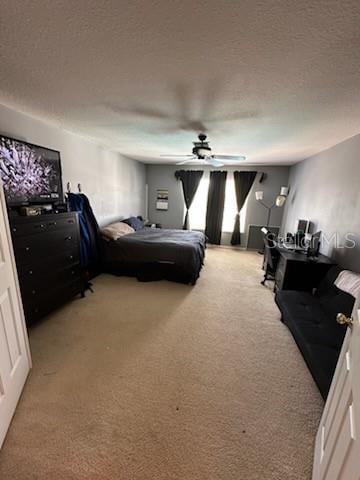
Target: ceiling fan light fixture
{"x": 203, "y": 151}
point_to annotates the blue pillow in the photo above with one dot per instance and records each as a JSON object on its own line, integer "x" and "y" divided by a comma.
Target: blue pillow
{"x": 134, "y": 222}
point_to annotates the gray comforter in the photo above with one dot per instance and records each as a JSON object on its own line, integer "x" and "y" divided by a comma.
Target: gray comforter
{"x": 185, "y": 249}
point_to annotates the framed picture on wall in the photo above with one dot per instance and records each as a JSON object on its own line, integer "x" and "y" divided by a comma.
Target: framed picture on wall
{"x": 162, "y": 199}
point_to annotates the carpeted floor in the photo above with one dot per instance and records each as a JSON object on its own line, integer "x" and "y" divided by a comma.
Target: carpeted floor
{"x": 161, "y": 381}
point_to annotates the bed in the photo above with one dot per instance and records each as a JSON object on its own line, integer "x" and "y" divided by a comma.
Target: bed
{"x": 154, "y": 254}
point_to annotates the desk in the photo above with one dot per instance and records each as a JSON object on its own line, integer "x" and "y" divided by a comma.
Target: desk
{"x": 296, "y": 271}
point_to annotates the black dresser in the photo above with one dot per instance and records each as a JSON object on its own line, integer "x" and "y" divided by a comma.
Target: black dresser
{"x": 47, "y": 253}
{"x": 296, "y": 271}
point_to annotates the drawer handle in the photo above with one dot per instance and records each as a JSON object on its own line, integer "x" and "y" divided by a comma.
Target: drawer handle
{"x": 33, "y": 292}
{"x": 68, "y": 238}
{"x": 27, "y": 249}
{"x": 30, "y": 272}
{"x": 52, "y": 223}
{"x": 71, "y": 257}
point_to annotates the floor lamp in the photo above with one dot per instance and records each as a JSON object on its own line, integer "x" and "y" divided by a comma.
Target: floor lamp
{"x": 279, "y": 202}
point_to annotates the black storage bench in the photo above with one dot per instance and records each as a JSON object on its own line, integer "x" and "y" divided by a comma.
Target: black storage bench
{"x": 311, "y": 318}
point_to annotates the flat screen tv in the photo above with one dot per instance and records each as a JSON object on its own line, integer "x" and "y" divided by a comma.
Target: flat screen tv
{"x": 31, "y": 174}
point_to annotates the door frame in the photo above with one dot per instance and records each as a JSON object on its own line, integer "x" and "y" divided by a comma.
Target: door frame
{"x": 14, "y": 269}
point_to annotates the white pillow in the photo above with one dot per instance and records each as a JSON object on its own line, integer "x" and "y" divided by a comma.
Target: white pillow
{"x": 349, "y": 282}
{"x": 116, "y": 230}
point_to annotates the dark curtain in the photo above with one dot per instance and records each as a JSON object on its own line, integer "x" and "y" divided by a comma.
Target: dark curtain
{"x": 215, "y": 206}
{"x": 190, "y": 180}
{"x": 243, "y": 184}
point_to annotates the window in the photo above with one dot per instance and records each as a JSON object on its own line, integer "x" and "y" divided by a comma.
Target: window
{"x": 197, "y": 212}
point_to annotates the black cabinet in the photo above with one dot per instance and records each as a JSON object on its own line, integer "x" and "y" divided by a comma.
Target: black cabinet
{"x": 47, "y": 254}
{"x": 295, "y": 271}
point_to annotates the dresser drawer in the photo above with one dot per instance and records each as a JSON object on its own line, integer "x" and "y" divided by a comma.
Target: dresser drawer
{"x": 27, "y": 259}
{"x": 38, "y": 306}
{"x": 39, "y": 278}
{"x": 47, "y": 243}
{"x": 23, "y": 228}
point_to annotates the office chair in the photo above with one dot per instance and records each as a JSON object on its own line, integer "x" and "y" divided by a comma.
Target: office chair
{"x": 271, "y": 259}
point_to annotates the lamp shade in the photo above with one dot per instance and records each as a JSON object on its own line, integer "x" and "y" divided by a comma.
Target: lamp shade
{"x": 259, "y": 195}
{"x": 280, "y": 200}
{"x": 284, "y": 191}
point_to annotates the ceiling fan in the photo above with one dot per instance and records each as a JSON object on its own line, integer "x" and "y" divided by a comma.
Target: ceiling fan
{"x": 180, "y": 115}
{"x": 201, "y": 153}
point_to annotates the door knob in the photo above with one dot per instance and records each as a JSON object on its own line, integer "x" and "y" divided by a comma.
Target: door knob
{"x": 344, "y": 320}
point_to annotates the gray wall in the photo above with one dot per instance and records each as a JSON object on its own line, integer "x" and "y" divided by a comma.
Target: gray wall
{"x": 114, "y": 184}
{"x": 325, "y": 190}
{"x": 163, "y": 176}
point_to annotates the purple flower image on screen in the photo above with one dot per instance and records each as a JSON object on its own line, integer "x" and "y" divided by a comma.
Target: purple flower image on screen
{"x": 23, "y": 170}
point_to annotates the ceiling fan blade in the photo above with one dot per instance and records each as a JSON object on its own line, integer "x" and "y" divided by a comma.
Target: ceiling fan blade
{"x": 210, "y": 98}
{"x": 183, "y": 96}
{"x": 185, "y": 157}
{"x": 248, "y": 114}
{"x": 182, "y": 99}
{"x": 229, "y": 157}
{"x": 214, "y": 163}
{"x": 190, "y": 160}
{"x": 138, "y": 111}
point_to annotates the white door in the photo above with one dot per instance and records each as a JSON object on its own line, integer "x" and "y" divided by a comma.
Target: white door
{"x": 14, "y": 348}
{"x": 337, "y": 448}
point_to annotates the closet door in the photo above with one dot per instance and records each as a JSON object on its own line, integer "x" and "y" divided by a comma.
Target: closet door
{"x": 14, "y": 349}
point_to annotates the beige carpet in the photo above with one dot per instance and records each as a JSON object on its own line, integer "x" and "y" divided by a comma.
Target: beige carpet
{"x": 161, "y": 381}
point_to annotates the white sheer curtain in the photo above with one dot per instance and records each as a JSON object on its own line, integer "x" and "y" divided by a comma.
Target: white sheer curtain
{"x": 230, "y": 208}
{"x": 197, "y": 212}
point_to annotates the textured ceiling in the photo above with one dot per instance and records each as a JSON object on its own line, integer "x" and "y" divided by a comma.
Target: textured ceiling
{"x": 275, "y": 80}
